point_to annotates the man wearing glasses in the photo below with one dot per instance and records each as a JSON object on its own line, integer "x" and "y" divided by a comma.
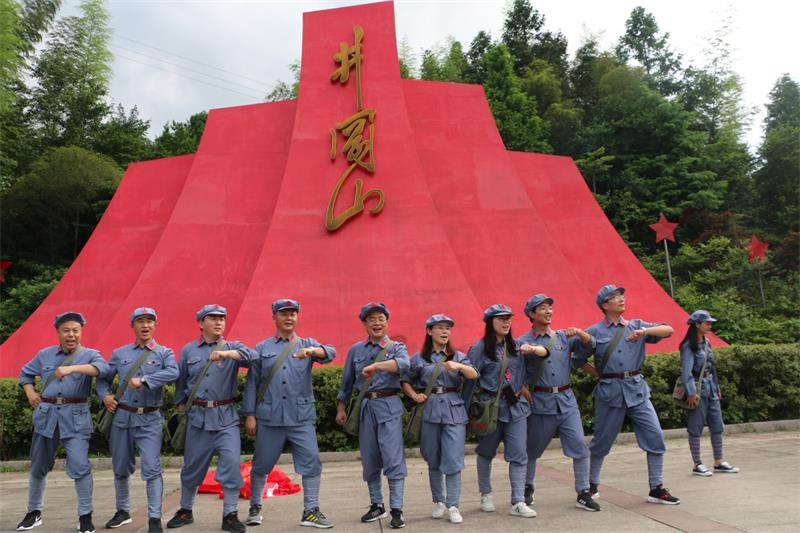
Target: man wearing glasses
{"x": 622, "y": 391}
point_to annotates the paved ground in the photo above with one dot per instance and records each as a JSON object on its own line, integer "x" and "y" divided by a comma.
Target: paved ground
{"x": 763, "y": 497}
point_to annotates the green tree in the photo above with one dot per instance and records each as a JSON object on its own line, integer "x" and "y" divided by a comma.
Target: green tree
{"x": 408, "y": 63}
{"x": 520, "y": 28}
{"x": 283, "y": 90}
{"x": 658, "y": 163}
{"x": 776, "y": 181}
{"x": 514, "y": 111}
{"x": 180, "y": 138}
{"x": 644, "y": 44}
{"x": 21, "y": 300}
{"x": 542, "y": 83}
{"x": 50, "y": 212}
{"x": 454, "y": 64}
{"x": 72, "y": 75}
{"x": 476, "y": 69}
{"x": 429, "y": 68}
{"x": 123, "y": 137}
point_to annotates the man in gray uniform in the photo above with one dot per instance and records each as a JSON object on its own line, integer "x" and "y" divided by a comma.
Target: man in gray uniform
{"x": 61, "y": 413}
{"x": 137, "y": 415}
{"x": 279, "y": 406}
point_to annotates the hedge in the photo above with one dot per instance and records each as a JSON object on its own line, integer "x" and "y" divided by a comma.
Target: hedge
{"x": 759, "y": 382}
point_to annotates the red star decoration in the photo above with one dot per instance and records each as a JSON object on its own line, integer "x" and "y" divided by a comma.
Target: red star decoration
{"x": 757, "y": 249}
{"x": 664, "y": 229}
{"x": 4, "y": 265}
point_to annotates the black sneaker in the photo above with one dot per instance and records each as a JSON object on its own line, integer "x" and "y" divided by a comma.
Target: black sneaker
{"x": 154, "y": 526}
{"x": 315, "y": 518}
{"x": 586, "y": 502}
{"x": 120, "y": 519}
{"x": 397, "y": 519}
{"x": 85, "y": 523}
{"x": 254, "y": 517}
{"x": 662, "y": 495}
{"x": 376, "y": 512}
{"x": 182, "y": 517}
{"x": 529, "y": 499}
{"x": 31, "y": 520}
{"x": 594, "y": 491}
{"x": 231, "y": 523}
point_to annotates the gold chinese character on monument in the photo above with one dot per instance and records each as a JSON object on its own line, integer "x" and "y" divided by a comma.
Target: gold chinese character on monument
{"x": 358, "y": 147}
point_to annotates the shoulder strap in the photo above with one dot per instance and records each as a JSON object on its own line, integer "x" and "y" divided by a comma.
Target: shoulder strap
{"x": 611, "y": 347}
{"x": 434, "y": 376}
{"x": 131, "y": 372}
{"x": 702, "y": 370}
{"x": 220, "y": 344}
{"x": 379, "y": 358}
{"x": 503, "y": 367}
{"x": 274, "y": 370}
{"x": 537, "y": 374}
{"x": 65, "y": 362}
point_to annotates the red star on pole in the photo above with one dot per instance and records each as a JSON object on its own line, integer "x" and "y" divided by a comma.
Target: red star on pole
{"x": 664, "y": 229}
{"x": 757, "y": 249}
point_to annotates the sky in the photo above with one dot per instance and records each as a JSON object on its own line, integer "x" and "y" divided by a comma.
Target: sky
{"x": 174, "y": 58}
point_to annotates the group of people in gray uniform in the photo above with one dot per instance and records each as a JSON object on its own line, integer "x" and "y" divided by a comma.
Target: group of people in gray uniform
{"x": 530, "y": 375}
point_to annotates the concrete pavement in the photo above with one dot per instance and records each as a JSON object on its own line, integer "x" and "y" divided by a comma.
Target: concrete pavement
{"x": 762, "y": 498}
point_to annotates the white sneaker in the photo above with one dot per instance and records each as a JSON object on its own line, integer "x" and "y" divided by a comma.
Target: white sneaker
{"x": 438, "y": 510}
{"x": 454, "y": 515}
{"x": 522, "y": 509}
{"x": 487, "y": 505}
{"x": 701, "y": 470}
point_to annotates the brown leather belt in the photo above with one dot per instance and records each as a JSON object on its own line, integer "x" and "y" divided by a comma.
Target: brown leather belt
{"x": 59, "y": 400}
{"x": 554, "y": 390}
{"x": 442, "y": 390}
{"x": 137, "y": 410}
{"x": 380, "y": 394}
{"x": 622, "y": 375}
{"x": 211, "y": 403}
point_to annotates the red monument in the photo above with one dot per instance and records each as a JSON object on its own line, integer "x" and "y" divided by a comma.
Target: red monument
{"x": 367, "y": 187}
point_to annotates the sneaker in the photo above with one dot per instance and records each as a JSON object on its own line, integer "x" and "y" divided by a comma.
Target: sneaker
{"x": 487, "y": 505}
{"x": 254, "y": 517}
{"x": 454, "y": 515}
{"x": 530, "y": 499}
{"x": 154, "y": 526}
{"x": 120, "y": 518}
{"x": 586, "y": 502}
{"x": 522, "y": 509}
{"x": 725, "y": 468}
{"x": 397, "y": 521}
{"x": 315, "y": 518}
{"x": 31, "y": 520}
{"x": 662, "y": 495}
{"x": 594, "y": 491}
{"x": 376, "y": 512}
{"x": 438, "y": 510}
{"x": 85, "y": 523}
{"x": 182, "y": 517}
{"x": 230, "y": 522}
{"x": 701, "y": 470}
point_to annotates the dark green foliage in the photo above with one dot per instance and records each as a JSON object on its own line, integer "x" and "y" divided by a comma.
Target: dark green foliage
{"x": 748, "y": 375}
{"x": 180, "y": 138}
{"x": 65, "y": 193}
{"x": 22, "y": 299}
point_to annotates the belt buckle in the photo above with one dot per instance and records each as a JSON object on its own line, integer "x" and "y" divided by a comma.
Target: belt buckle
{"x": 626, "y": 374}
{"x": 140, "y": 410}
{"x": 210, "y": 403}
{"x": 59, "y": 400}
{"x": 554, "y": 390}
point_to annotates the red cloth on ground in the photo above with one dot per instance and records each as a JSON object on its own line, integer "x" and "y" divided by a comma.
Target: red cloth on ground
{"x": 278, "y": 483}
